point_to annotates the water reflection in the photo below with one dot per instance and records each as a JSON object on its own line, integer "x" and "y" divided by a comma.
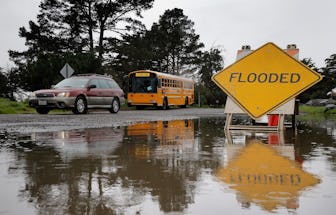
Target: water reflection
{"x": 163, "y": 138}
{"x": 264, "y": 174}
{"x": 162, "y": 156}
{"x": 237, "y": 140}
{"x": 82, "y": 143}
{"x": 113, "y": 171}
{"x": 182, "y": 166}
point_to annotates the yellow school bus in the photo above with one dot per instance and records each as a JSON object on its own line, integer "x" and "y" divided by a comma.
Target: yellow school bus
{"x": 161, "y": 90}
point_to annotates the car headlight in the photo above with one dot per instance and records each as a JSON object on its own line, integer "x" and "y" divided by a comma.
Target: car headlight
{"x": 63, "y": 94}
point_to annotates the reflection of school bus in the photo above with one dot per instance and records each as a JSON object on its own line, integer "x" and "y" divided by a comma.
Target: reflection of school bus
{"x": 149, "y": 88}
{"x": 162, "y": 137}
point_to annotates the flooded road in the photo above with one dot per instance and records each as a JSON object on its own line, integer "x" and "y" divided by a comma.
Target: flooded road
{"x": 170, "y": 167}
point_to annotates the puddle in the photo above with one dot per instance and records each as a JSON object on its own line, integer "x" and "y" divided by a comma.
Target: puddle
{"x": 178, "y": 167}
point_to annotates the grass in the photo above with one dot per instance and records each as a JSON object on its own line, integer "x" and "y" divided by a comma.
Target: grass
{"x": 315, "y": 110}
{"x": 12, "y": 107}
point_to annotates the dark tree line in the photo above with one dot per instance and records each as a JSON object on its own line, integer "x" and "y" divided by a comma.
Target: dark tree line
{"x": 73, "y": 31}
{"x": 171, "y": 46}
{"x": 107, "y": 36}
{"x": 321, "y": 89}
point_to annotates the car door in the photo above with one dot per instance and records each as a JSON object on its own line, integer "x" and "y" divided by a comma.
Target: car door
{"x": 116, "y": 91}
{"x": 94, "y": 95}
{"x": 106, "y": 92}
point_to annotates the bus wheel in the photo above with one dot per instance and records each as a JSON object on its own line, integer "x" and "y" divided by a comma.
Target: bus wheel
{"x": 186, "y": 103}
{"x": 165, "y": 105}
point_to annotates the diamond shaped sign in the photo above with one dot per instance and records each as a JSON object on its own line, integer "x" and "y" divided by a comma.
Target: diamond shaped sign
{"x": 265, "y": 79}
{"x": 67, "y": 71}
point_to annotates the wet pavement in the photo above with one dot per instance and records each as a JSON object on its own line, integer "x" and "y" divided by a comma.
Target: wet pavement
{"x": 61, "y": 121}
{"x": 177, "y": 166}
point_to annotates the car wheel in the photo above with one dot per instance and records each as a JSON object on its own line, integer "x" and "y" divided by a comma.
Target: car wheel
{"x": 115, "y": 106}
{"x": 42, "y": 110}
{"x": 80, "y": 105}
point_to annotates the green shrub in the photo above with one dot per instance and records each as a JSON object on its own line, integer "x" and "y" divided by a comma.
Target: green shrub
{"x": 315, "y": 110}
{"x": 12, "y": 107}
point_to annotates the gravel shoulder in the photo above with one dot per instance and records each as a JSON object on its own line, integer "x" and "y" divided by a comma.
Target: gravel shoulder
{"x": 27, "y": 123}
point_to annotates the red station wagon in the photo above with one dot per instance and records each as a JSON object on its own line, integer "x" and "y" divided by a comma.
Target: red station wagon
{"x": 80, "y": 93}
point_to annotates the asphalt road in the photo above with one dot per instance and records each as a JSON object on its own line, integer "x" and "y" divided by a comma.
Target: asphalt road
{"x": 27, "y": 123}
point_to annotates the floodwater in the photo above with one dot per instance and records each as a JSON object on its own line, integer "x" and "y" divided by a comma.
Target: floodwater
{"x": 170, "y": 167}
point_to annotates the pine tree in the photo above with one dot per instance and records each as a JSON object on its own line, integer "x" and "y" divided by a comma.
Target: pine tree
{"x": 170, "y": 46}
{"x": 210, "y": 63}
{"x": 319, "y": 90}
{"x": 175, "y": 42}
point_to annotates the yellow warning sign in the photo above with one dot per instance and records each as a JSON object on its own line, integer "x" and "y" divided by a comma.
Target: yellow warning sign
{"x": 265, "y": 79}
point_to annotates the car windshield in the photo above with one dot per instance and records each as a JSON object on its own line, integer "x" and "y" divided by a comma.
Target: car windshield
{"x": 72, "y": 83}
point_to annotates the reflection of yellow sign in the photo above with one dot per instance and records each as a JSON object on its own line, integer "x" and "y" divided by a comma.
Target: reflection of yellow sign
{"x": 262, "y": 176}
{"x": 265, "y": 79}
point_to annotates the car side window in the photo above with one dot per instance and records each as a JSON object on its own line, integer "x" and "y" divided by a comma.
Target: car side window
{"x": 113, "y": 84}
{"x": 95, "y": 82}
{"x": 103, "y": 84}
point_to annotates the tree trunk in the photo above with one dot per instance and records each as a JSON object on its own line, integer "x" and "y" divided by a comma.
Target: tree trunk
{"x": 91, "y": 29}
{"x": 101, "y": 40}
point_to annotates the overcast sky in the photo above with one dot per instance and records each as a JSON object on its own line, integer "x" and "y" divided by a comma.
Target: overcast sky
{"x": 228, "y": 24}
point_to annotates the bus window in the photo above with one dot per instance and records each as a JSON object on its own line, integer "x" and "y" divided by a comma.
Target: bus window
{"x": 153, "y": 85}
{"x": 188, "y": 85}
{"x": 159, "y": 85}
